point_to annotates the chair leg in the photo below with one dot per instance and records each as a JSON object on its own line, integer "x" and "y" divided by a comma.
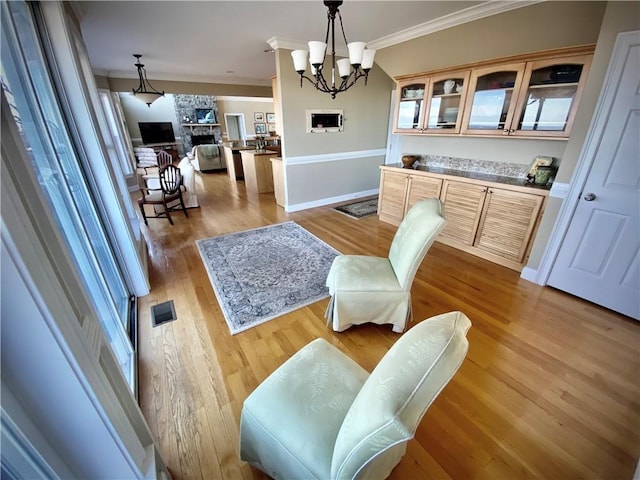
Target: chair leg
{"x": 166, "y": 211}
{"x": 184, "y": 209}
{"x": 144, "y": 216}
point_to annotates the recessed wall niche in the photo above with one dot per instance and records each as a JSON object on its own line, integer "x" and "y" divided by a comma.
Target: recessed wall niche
{"x": 185, "y": 106}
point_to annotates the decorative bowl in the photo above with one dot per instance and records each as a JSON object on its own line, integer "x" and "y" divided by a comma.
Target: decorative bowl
{"x": 408, "y": 160}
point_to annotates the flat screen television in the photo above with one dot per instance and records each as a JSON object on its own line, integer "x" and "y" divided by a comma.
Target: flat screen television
{"x": 156, "y": 132}
{"x": 205, "y": 115}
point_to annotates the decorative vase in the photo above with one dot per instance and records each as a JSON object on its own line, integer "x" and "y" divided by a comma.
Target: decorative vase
{"x": 408, "y": 160}
{"x": 449, "y": 85}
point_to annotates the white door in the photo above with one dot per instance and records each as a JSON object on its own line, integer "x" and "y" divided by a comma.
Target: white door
{"x": 598, "y": 259}
{"x": 235, "y": 126}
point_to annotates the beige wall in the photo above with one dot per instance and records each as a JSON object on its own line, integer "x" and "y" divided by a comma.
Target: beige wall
{"x": 543, "y": 26}
{"x": 515, "y": 32}
{"x": 247, "y": 107}
{"x": 366, "y": 114}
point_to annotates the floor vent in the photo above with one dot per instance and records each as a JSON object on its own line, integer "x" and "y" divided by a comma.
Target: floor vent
{"x": 162, "y": 313}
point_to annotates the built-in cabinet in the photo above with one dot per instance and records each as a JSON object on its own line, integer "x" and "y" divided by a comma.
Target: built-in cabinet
{"x": 432, "y": 104}
{"x": 488, "y": 219}
{"x": 400, "y": 190}
{"x": 529, "y": 96}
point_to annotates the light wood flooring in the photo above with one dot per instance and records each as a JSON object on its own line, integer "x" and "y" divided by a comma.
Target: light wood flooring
{"x": 550, "y": 387}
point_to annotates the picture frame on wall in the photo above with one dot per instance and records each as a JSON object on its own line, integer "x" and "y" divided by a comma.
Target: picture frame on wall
{"x": 271, "y": 127}
{"x": 271, "y": 118}
{"x": 260, "y": 128}
{"x": 258, "y": 116}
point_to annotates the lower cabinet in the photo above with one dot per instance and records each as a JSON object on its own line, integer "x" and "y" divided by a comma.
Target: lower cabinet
{"x": 399, "y": 191}
{"x": 497, "y": 223}
{"x": 462, "y": 207}
{"x": 507, "y": 223}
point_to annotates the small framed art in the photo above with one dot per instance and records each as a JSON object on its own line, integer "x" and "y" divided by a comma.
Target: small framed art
{"x": 258, "y": 117}
{"x": 271, "y": 127}
{"x": 261, "y": 128}
{"x": 271, "y": 118}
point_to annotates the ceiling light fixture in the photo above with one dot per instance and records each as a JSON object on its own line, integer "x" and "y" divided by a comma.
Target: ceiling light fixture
{"x": 360, "y": 58}
{"x": 145, "y": 91}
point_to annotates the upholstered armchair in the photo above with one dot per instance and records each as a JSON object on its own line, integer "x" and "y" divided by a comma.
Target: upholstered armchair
{"x": 366, "y": 289}
{"x": 207, "y": 157}
{"x": 321, "y": 416}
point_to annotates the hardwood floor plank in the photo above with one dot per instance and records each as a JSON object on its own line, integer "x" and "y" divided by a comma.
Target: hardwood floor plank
{"x": 550, "y": 387}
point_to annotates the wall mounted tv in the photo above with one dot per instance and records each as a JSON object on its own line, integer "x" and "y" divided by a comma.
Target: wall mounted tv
{"x": 156, "y": 132}
{"x": 205, "y": 115}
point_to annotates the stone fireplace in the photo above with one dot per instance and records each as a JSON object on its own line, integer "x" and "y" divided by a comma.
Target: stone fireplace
{"x": 202, "y": 139}
{"x": 185, "y": 106}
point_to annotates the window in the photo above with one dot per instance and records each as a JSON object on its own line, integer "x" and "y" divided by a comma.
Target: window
{"x": 66, "y": 185}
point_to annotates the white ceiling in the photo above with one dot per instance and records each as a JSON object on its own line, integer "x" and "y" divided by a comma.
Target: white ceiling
{"x": 225, "y": 41}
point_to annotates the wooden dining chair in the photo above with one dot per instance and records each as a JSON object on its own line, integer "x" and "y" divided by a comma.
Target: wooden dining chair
{"x": 164, "y": 158}
{"x": 168, "y": 196}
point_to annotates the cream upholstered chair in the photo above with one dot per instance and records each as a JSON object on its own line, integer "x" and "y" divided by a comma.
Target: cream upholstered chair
{"x": 366, "y": 289}
{"x": 320, "y": 415}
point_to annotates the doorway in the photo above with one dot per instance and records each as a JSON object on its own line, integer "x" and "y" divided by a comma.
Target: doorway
{"x": 235, "y": 126}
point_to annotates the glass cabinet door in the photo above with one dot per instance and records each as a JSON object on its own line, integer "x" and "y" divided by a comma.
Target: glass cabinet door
{"x": 491, "y": 102}
{"x": 445, "y": 102}
{"x": 410, "y": 111}
{"x": 547, "y": 106}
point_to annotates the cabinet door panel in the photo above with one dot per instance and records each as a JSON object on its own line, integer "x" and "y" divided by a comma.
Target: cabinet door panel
{"x": 445, "y": 102}
{"x": 411, "y": 106}
{"x": 491, "y": 100}
{"x": 462, "y": 207}
{"x": 392, "y": 194}
{"x": 422, "y": 187}
{"x": 547, "y": 106}
{"x": 508, "y": 219}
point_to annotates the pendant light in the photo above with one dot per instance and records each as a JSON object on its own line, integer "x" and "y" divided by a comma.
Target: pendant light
{"x": 145, "y": 91}
{"x": 349, "y": 70}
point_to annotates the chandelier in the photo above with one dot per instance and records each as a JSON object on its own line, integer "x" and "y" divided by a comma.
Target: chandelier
{"x": 349, "y": 70}
{"x": 145, "y": 91}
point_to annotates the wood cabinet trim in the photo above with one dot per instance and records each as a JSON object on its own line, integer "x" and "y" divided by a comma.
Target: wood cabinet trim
{"x": 552, "y": 54}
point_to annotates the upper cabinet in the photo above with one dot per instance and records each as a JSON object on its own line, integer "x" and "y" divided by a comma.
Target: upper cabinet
{"x": 490, "y": 108}
{"x": 432, "y": 104}
{"x": 548, "y": 101}
{"x": 411, "y": 105}
{"x": 535, "y": 96}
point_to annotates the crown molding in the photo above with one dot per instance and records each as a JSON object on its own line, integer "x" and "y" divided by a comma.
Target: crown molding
{"x": 467, "y": 15}
{"x": 168, "y": 77}
{"x": 458, "y": 18}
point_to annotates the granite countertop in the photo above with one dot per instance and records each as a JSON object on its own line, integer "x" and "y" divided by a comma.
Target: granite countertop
{"x": 261, "y": 152}
{"x": 484, "y": 177}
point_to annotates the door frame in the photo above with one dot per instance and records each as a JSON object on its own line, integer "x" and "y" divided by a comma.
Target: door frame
{"x": 239, "y": 118}
{"x": 587, "y": 155}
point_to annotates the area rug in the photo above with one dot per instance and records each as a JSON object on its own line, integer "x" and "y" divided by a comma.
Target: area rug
{"x": 360, "y": 209}
{"x": 263, "y": 273}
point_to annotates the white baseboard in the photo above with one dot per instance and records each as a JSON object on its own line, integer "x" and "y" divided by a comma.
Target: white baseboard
{"x": 559, "y": 190}
{"x": 328, "y": 201}
{"x": 531, "y": 274}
